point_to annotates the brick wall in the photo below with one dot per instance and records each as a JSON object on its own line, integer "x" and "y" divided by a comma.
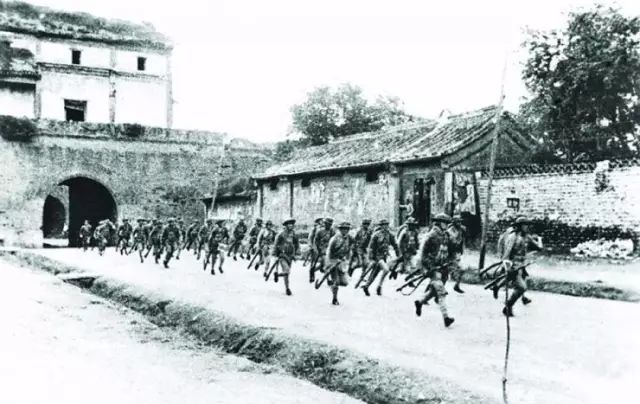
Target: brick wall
{"x": 158, "y": 175}
{"x": 570, "y": 203}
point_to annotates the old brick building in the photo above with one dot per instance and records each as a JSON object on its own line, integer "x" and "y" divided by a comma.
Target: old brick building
{"x": 431, "y": 166}
{"x": 72, "y": 66}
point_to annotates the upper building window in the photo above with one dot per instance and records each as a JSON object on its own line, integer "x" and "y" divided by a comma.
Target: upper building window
{"x": 142, "y": 63}
{"x": 75, "y": 110}
{"x": 75, "y": 56}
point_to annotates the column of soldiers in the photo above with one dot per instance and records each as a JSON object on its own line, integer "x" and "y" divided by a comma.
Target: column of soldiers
{"x": 333, "y": 252}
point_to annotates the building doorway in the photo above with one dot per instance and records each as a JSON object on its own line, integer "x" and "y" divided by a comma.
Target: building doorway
{"x": 88, "y": 200}
{"x": 422, "y": 200}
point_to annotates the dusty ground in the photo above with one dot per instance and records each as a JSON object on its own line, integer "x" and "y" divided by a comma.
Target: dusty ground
{"x": 564, "y": 349}
{"x": 60, "y": 345}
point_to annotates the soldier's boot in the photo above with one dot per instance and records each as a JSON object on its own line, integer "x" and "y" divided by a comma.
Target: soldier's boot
{"x": 507, "y": 311}
{"x": 289, "y": 292}
{"x": 448, "y": 321}
{"x": 418, "y": 306}
{"x": 312, "y": 275}
{"x": 365, "y": 289}
{"x": 379, "y": 290}
{"x": 220, "y": 269}
{"x": 166, "y": 264}
{"x": 525, "y": 300}
{"x": 457, "y": 288}
{"x": 495, "y": 292}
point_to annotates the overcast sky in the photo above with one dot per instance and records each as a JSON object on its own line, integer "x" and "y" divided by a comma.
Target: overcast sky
{"x": 239, "y": 65}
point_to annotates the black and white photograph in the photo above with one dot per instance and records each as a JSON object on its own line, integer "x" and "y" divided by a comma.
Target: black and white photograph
{"x": 319, "y": 202}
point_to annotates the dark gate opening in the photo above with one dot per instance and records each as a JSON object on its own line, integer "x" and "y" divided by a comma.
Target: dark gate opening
{"x": 53, "y": 218}
{"x": 422, "y": 201}
{"x": 88, "y": 200}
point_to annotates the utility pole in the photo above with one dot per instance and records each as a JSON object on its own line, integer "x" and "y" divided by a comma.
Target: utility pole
{"x": 492, "y": 163}
{"x": 225, "y": 143}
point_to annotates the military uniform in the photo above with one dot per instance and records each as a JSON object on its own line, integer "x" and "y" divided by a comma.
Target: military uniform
{"x": 170, "y": 240}
{"x": 456, "y": 234}
{"x": 124, "y": 234}
{"x": 238, "y": 235}
{"x": 85, "y": 235}
{"x": 433, "y": 259}
{"x": 266, "y": 238}
{"x": 155, "y": 240}
{"x": 253, "y": 236}
{"x": 203, "y": 236}
{"x": 284, "y": 250}
{"x": 312, "y": 234}
{"x": 102, "y": 235}
{"x": 513, "y": 246}
{"x": 191, "y": 236}
{"x": 320, "y": 242}
{"x": 408, "y": 244}
{"x": 337, "y": 257}
{"x": 379, "y": 245}
{"x": 360, "y": 244}
{"x": 139, "y": 239}
{"x": 213, "y": 248}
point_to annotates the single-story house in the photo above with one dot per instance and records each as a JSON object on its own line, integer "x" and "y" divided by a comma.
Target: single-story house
{"x": 417, "y": 168}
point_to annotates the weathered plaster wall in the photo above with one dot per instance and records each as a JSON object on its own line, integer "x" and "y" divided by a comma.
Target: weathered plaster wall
{"x": 17, "y": 99}
{"x": 140, "y": 101}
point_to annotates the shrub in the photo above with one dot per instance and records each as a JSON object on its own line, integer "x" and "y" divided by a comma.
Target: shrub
{"x": 17, "y": 129}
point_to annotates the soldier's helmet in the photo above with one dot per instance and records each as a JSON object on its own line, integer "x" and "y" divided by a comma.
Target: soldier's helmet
{"x": 289, "y": 221}
{"x": 209, "y": 220}
{"x": 125, "y": 220}
{"x": 258, "y": 220}
{"x": 220, "y": 221}
{"x": 269, "y": 223}
{"x": 344, "y": 225}
{"x": 319, "y": 220}
{"x": 523, "y": 220}
{"x": 442, "y": 217}
{"x": 171, "y": 220}
{"x": 140, "y": 220}
{"x": 328, "y": 221}
{"x": 457, "y": 219}
{"x": 383, "y": 222}
{"x": 411, "y": 221}
{"x": 366, "y": 222}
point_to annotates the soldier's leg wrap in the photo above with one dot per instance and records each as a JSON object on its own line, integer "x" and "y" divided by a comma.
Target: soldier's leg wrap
{"x": 384, "y": 269}
{"x": 519, "y": 286}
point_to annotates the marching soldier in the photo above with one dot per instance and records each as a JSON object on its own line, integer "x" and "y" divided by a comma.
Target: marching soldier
{"x": 203, "y": 236}
{"x": 432, "y": 259}
{"x": 512, "y": 247}
{"x": 253, "y": 237}
{"x": 320, "y": 242}
{"x": 85, "y": 235}
{"x": 408, "y": 243}
{"x": 213, "y": 248}
{"x": 360, "y": 244}
{"x": 139, "y": 240}
{"x": 183, "y": 235}
{"x": 337, "y": 258}
{"x": 456, "y": 233}
{"x": 223, "y": 240}
{"x": 102, "y": 234}
{"x": 155, "y": 240}
{"x": 379, "y": 245}
{"x": 312, "y": 253}
{"x": 238, "y": 235}
{"x": 191, "y": 236}
{"x": 124, "y": 234}
{"x": 170, "y": 240}
{"x": 284, "y": 250}
{"x": 266, "y": 239}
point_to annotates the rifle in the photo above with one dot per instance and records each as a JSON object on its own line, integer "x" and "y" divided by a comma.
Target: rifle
{"x": 368, "y": 270}
{"x": 497, "y": 282}
{"x": 392, "y": 273}
{"x": 326, "y": 275}
{"x": 306, "y": 259}
{"x": 266, "y": 278}
{"x": 483, "y": 271}
{"x": 421, "y": 278}
{"x": 259, "y": 252}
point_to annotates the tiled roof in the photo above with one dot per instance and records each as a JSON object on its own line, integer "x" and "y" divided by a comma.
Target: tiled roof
{"x": 394, "y": 145}
{"x": 26, "y": 18}
{"x": 17, "y": 62}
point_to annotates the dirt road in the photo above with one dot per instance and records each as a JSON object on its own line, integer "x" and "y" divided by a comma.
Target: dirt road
{"x": 60, "y": 345}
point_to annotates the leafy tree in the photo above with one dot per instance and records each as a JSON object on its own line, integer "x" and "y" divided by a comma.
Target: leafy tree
{"x": 585, "y": 84}
{"x": 327, "y": 114}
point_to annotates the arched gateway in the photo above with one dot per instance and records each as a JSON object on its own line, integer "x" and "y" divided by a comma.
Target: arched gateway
{"x": 88, "y": 199}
